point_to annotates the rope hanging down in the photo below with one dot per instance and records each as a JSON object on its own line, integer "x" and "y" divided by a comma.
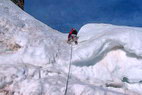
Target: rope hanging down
{"x": 69, "y": 73}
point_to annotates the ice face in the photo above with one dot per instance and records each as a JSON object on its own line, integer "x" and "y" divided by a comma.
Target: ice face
{"x": 34, "y": 58}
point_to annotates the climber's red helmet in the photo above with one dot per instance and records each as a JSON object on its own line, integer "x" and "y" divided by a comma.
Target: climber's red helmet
{"x": 72, "y": 29}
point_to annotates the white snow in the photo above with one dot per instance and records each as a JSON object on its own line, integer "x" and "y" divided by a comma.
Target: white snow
{"x": 34, "y": 58}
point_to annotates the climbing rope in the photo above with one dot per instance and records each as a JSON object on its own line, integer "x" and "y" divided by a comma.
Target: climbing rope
{"x": 69, "y": 72}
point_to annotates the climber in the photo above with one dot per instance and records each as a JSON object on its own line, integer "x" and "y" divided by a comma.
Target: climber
{"x": 72, "y": 37}
{"x": 20, "y": 3}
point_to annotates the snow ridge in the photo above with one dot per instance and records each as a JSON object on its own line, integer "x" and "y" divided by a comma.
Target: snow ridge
{"x": 34, "y": 58}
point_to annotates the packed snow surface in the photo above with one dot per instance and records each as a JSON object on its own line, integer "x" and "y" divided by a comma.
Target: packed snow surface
{"x": 34, "y": 58}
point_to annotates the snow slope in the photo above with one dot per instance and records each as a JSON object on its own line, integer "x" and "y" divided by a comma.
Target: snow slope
{"x": 34, "y": 58}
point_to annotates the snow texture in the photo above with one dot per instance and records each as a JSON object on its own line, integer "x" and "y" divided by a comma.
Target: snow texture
{"x": 34, "y": 58}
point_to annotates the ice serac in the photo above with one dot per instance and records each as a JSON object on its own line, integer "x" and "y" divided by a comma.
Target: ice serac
{"x": 34, "y": 58}
{"x": 112, "y": 54}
